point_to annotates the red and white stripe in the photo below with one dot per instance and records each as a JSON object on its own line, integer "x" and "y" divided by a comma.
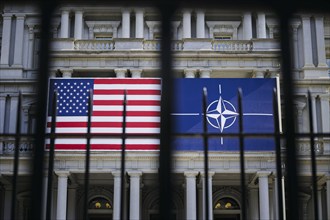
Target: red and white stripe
{"x": 143, "y": 116}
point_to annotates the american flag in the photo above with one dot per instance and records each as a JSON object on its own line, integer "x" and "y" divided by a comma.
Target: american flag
{"x": 143, "y": 112}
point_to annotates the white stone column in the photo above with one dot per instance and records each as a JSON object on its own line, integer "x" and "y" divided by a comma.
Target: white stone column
{"x": 139, "y": 23}
{"x": 209, "y": 197}
{"x": 261, "y": 25}
{"x": 120, "y": 73}
{"x": 125, "y": 24}
{"x": 205, "y": 73}
{"x": 62, "y": 191}
{"x": 307, "y": 44}
{"x": 13, "y": 113}
{"x": 31, "y": 46}
{"x": 64, "y": 24}
{"x": 116, "y": 195}
{"x": 191, "y": 199}
{"x": 190, "y": 73}
{"x": 19, "y": 37}
{"x": 200, "y": 24}
{"x": 328, "y": 195}
{"x": 313, "y": 99}
{"x": 319, "y": 26}
{"x": 6, "y": 31}
{"x": 263, "y": 194}
{"x": 254, "y": 201}
{"x": 134, "y": 203}
{"x": 136, "y": 73}
{"x": 78, "y": 24}
{"x": 72, "y": 191}
{"x": 319, "y": 203}
{"x": 247, "y": 26}
{"x": 186, "y": 22}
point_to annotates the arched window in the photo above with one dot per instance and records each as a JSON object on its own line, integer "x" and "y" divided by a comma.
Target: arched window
{"x": 100, "y": 203}
{"x": 226, "y": 204}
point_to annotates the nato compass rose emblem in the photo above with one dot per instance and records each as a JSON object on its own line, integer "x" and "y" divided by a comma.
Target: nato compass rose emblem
{"x": 221, "y": 114}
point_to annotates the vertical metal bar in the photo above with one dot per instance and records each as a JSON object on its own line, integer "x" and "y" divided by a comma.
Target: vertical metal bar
{"x": 291, "y": 157}
{"x": 165, "y": 160}
{"x": 16, "y": 156}
{"x": 122, "y": 171}
{"x": 241, "y": 153}
{"x": 51, "y": 157}
{"x": 206, "y": 156}
{"x": 47, "y": 8}
{"x": 313, "y": 165}
{"x": 278, "y": 154}
{"x": 88, "y": 149}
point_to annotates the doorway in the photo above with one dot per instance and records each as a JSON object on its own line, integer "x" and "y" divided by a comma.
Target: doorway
{"x": 227, "y": 217}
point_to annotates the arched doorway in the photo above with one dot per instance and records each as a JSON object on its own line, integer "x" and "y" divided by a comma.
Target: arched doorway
{"x": 99, "y": 208}
{"x": 227, "y": 209}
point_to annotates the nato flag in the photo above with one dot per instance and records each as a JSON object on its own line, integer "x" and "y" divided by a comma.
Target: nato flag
{"x": 222, "y": 113}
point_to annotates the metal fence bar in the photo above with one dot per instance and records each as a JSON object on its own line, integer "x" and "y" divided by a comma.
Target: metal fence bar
{"x": 51, "y": 158}
{"x": 313, "y": 164}
{"x": 88, "y": 149}
{"x": 47, "y": 8}
{"x": 278, "y": 155}
{"x": 206, "y": 156}
{"x": 165, "y": 157}
{"x": 16, "y": 156}
{"x": 241, "y": 153}
{"x": 122, "y": 168}
{"x": 289, "y": 126}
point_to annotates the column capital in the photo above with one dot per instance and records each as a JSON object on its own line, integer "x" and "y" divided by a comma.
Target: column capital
{"x": 121, "y": 72}
{"x": 305, "y": 17}
{"x": 7, "y": 16}
{"x": 116, "y": 173}
{"x": 136, "y": 73}
{"x": 186, "y": 10}
{"x": 62, "y": 173}
{"x": 211, "y": 174}
{"x": 263, "y": 173}
{"x": 258, "y": 73}
{"x": 139, "y": 10}
{"x": 191, "y": 173}
{"x": 20, "y": 16}
{"x": 67, "y": 73}
{"x": 126, "y": 10}
{"x": 190, "y": 73}
{"x": 205, "y": 73}
{"x": 134, "y": 173}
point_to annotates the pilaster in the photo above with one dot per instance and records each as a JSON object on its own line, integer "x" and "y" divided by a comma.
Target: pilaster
{"x": 209, "y": 198}
{"x": 116, "y": 195}
{"x": 6, "y": 39}
{"x": 19, "y": 37}
{"x": 261, "y": 25}
{"x": 31, "y": 46}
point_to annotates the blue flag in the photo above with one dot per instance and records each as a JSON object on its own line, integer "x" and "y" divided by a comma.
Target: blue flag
{"x": 222, "y": 112}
